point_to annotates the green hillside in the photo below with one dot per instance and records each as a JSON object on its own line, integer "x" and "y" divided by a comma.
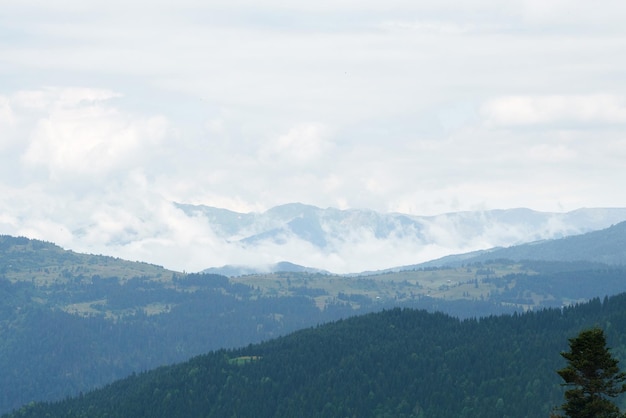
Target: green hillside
{"x": 397, "y": 363}
{"x": 73, "y": 322}
{"x": 44, "y": 263}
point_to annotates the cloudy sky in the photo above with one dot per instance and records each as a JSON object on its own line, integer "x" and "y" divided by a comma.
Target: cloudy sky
{"x": 111, "y": 110}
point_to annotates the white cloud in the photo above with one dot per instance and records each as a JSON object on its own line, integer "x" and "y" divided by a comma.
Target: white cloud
{"x": 7, "y": 122}
{"x": 600, "y": 16}
{"x": 558, "y": 110}
{"x": 45, "y": 229}
{"x": 421, "y": 107}
{"x": 551, "y": 153}
{"x": 444, "y": 28}
{"x": 60, "y": 98}
{"x": 304, "y": 143}
{"x": 78, "y": 133}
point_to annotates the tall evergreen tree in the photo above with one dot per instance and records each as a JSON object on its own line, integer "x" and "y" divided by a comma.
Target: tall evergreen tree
{"x": 593, "y": 376}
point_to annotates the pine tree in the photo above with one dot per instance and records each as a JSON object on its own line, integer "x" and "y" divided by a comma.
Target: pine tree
{"x": 593, "y": 377}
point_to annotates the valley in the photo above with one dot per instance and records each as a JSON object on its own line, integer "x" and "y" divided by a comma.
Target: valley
{"x": 72, "y": 322}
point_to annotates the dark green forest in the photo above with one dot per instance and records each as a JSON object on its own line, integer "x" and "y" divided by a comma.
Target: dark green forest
{"x": 396, "y": 363}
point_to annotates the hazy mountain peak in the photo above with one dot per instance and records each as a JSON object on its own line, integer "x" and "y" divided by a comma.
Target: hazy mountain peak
{"x": 344, "y": 241}
{"x": 292, "y": 209}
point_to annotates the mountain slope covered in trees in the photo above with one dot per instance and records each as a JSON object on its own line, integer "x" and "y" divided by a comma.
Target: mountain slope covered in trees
{"x": 397, "y": 363}
{"x": 72, "y": 322}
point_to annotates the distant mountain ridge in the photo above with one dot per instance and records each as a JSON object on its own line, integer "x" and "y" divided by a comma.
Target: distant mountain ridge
{"x": 281, "y": 267}
{"x": 347, "y": 241}
{"x": 606, "y": 246}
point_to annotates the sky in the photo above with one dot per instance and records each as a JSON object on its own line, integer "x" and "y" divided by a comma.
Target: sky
{"x": 112, "y": 110}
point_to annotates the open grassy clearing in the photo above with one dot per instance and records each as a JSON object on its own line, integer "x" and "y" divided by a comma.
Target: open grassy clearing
{"x": 44, "y": 264}
{"x": 84, "y": 268}
{"x": 455, "y": 283}
{"x": 240, "y": 361}
{"x": 85, "y": 308}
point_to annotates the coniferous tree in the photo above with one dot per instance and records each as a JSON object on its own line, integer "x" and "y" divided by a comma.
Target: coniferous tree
{"x": 593, "y": 376}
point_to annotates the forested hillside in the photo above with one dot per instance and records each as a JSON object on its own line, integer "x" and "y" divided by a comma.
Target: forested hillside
{"x": 48, "y": 353}
{"x": 397, "y": 363}
{"x": 73, "y": 322}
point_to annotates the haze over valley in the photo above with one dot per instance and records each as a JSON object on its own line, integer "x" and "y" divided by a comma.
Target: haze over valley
{"x": 197, "y": 237}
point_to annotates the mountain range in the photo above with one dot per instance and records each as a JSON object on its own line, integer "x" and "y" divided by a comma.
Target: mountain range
{"x": 350, "y": 241}
{"x": 70, "y": 322}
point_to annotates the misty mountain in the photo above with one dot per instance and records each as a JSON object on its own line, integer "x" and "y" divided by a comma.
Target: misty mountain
{"x": 283, "y": 266}
{"x": 607, "y": 246}
{"x": 354, "y": 240}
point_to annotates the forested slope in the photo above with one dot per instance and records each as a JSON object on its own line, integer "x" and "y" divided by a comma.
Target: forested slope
{"x": 397, "y": 363}
{"x": 73, "y": 322}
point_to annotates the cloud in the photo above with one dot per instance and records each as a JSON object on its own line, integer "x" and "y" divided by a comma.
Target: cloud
{"x": 555, "y": 110}
{"x": 442, "y": 28}
{"x": 7, "y": 122}
{"x": 60, "y": 98}
{"x": 422, "y": 107}
{"x": 76, "y": 132}
{"x": 304, "y": 143}
{"x": 577, "y": 13}
{"x": 551, "y": 153}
